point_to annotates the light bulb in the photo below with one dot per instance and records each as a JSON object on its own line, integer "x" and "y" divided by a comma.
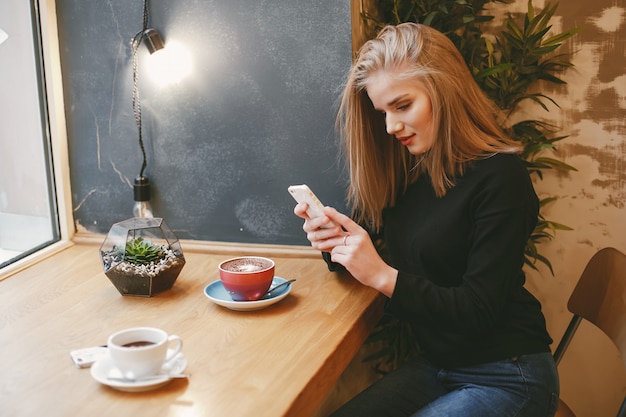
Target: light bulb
{"x": 141, "y": 191}
{"x": 169, "y": 65}
{"x": 142, "y": 209}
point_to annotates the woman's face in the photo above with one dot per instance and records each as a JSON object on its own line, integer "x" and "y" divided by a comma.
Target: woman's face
{"x": 407, "y": 110}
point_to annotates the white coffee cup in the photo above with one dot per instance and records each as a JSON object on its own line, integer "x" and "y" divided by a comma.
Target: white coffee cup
{"x": 142, "y": 351}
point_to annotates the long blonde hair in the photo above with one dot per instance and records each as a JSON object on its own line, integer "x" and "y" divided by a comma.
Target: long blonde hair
{"x": 463, "y": 118}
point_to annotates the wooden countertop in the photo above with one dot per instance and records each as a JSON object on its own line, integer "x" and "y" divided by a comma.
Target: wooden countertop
{"x": 280, "y": 361}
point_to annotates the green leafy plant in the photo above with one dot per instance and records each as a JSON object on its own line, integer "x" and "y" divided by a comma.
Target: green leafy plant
{"x": 509, "y": 66}
{"x": 139, "y": 251}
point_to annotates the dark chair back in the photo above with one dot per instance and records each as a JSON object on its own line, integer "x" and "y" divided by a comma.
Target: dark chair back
{"x": 600, "y": 298}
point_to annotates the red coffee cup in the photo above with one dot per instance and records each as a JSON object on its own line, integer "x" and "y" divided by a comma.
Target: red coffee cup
{"x": 247, "y": 278}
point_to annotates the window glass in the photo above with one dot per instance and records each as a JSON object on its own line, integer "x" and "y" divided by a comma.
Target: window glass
{"x": 28, "y": 215}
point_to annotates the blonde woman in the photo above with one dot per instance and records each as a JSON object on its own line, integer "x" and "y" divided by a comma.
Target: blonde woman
{"x": 432, "y": 173}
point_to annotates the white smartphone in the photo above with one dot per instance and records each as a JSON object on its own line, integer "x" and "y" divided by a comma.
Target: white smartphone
{"x": 303, "y": 194}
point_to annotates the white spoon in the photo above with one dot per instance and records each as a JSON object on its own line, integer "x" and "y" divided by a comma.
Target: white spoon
{"x": 146, "y": 378}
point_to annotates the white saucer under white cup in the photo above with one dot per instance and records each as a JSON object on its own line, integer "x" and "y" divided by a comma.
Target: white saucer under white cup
{"x": 106, "y": 373}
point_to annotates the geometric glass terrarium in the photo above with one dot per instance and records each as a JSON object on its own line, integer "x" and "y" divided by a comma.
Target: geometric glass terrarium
{"x": 142, "y": 256}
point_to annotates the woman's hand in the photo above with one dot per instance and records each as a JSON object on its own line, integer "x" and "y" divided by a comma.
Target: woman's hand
{"x": 319, "y": 230}
{"x": 350, "y": 245}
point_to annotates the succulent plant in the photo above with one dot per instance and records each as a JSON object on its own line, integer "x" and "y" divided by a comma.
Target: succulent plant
{"x": 140, "y": 251}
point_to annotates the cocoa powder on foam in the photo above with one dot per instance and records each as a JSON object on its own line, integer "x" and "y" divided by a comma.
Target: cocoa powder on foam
{"x": 246, "y": 265}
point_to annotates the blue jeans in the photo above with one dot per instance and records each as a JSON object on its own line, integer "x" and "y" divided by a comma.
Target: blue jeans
{"x": 526, "y": 386}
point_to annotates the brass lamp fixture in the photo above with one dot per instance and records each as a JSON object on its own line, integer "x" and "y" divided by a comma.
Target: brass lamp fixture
{"x": 154, "y": 42}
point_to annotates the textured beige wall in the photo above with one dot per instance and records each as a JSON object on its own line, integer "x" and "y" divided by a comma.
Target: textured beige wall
{"x": 591, "y": 201}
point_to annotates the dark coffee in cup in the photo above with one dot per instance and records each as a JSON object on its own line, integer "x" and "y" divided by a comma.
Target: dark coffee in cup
{"x": 139, "y": 343}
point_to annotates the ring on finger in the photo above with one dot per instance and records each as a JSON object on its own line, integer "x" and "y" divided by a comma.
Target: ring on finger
{"x": 345, "y": 238}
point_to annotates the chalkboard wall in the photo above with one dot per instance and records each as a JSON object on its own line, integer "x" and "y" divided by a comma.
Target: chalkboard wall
{"x": 256, "y": 115}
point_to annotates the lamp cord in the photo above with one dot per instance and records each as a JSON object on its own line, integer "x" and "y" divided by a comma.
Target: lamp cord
{"x": 135, "y": 42}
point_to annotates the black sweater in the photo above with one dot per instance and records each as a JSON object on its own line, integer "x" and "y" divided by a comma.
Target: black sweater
{"x": 460, "y": 258}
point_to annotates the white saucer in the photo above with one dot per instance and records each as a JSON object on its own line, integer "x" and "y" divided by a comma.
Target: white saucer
{"x": 104, "y": 368}
{"x": 216, "y": 292}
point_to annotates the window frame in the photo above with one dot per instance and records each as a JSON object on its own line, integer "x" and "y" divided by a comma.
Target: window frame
{"x": 49, "y": 70}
